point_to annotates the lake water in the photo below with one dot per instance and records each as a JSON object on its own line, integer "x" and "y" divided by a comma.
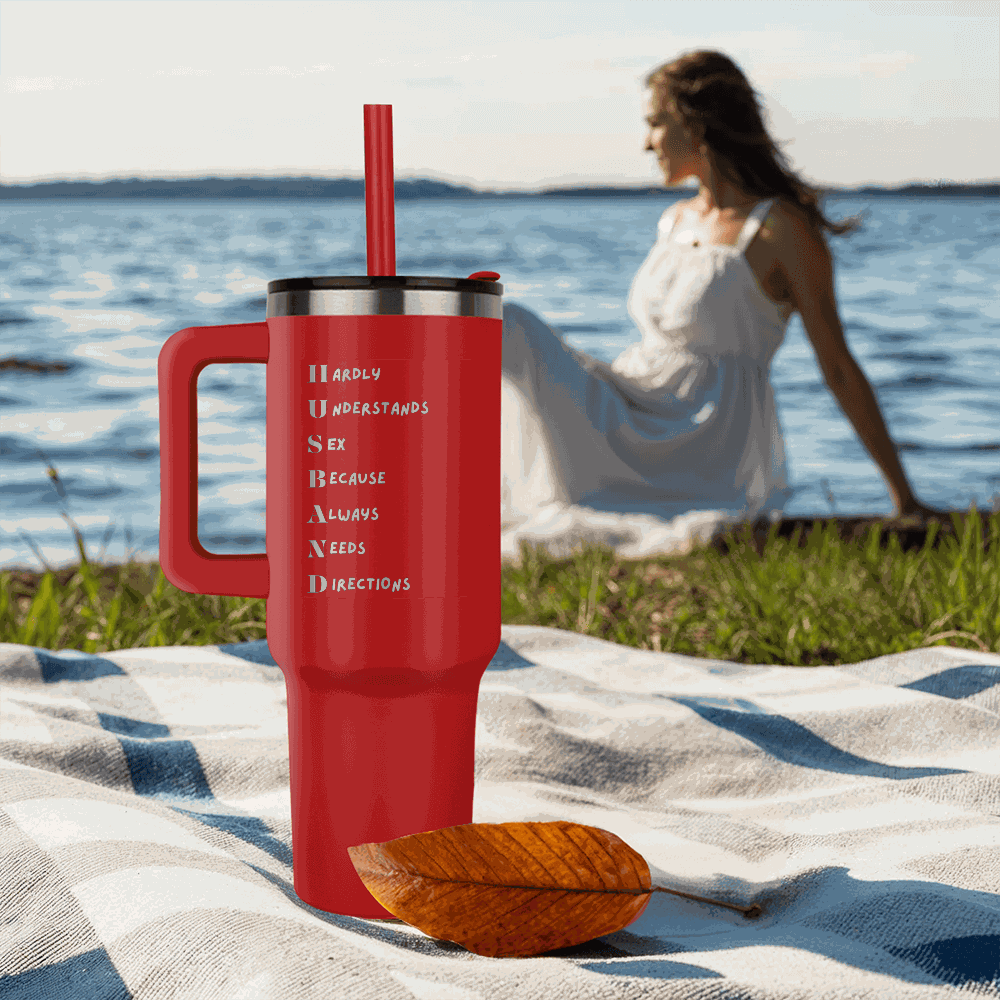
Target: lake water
{"x": 100, "y": 285}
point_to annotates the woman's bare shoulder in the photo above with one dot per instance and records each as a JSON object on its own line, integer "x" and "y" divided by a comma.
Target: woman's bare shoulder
{"x": 791, "y": 230}
{"x": 788, "y": 210}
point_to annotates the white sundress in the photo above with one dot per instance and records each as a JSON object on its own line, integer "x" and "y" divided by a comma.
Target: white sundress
{"x": 676, "y": 438}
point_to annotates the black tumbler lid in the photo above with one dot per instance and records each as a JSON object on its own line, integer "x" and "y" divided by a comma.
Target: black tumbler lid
{"x": 364, "y": 282}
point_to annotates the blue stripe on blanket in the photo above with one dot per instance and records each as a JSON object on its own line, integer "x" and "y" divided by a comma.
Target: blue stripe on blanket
{"x": 145, "y": 841}
{"x": 958, "y": 961}
{"x": 786, "y": 740}
{"x": 60, "y": 666}
{"x": 958, "y": 682}
{"x": 166, "y": 767}
{"x": 90, "y": 976}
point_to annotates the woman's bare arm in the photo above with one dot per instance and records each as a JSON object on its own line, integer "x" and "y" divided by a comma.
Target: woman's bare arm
{"x": 854, "y": 393}
{"x": 809, "y": 268}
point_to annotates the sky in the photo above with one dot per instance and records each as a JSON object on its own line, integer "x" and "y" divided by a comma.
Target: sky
{"x": 495, "y": 96}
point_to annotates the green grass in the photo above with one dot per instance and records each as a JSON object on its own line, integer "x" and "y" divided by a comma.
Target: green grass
{"x": 102, "y": 608}
{"x": 97, "y": 608}
{"x": 826, "y": 601}
{"x": 803, "y": 601}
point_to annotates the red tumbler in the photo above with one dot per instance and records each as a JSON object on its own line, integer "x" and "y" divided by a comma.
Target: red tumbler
{"x": 382, "y": 564}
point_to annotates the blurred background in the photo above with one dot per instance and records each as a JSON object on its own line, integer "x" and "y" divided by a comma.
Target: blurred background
{"x": 528, "y": 116}
{"x": 505, "y": 95}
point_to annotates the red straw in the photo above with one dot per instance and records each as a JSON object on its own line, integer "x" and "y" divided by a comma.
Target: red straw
{"x": 380, "y": 212}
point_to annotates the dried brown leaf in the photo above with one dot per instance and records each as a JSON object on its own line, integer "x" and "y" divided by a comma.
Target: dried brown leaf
{"x": 510, "y": 889}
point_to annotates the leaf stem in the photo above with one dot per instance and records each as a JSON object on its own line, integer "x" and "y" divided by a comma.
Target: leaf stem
{"x": 748, "y": 911}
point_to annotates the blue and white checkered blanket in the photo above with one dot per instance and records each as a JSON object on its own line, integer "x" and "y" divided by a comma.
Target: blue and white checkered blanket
{"x": 145, "y": 840}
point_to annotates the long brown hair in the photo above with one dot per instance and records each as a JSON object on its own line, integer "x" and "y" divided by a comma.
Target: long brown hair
{"x": 720, "y": 108}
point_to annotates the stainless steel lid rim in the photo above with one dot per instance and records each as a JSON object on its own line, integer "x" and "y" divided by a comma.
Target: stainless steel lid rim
{"x": 349, "y": 282}
{"x": 384, "y": 302}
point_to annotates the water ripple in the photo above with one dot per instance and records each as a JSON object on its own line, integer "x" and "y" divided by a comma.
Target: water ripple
{"x": 98, "y": 288}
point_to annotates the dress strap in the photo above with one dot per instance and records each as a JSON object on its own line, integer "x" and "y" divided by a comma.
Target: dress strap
{"x": 668, "y": 220}
{"x": 754, "y": 221}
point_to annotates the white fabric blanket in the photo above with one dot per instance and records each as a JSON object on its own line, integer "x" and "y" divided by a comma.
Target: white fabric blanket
{"x": 145, "y": 843}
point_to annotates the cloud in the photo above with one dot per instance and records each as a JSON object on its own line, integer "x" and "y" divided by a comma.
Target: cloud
{"x": 432, "y": 81}
{"x": 34, "y": 84}
{"x": 183, "y": 71}
{"x": 27, "y": 84}
{"x": 852, "y": 67}
{"x": 886, "y": 64}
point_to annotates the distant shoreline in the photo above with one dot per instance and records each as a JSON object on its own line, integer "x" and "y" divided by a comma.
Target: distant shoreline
{"x": 317, "y": 188}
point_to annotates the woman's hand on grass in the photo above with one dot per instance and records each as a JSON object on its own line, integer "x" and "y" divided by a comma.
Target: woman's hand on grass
{"x": 919, "y": 513}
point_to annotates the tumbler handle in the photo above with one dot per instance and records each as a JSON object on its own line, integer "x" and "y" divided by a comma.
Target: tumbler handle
{"x": 186, "y": 563}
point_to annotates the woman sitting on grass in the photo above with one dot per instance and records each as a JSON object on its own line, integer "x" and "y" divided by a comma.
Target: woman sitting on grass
{"x": 683, "y": 423}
